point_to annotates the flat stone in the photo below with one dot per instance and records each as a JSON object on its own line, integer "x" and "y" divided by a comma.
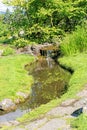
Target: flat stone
{"x": 81, "y": 103}
{"x": 83, "y": 93}
{"x": 36, "y": 124}
{"x": 61, "y": 111}
{"x": 68, "y": 102}
{"x": 53, "y": 124}
{"x": 21, "y": 94}
{"x": 17, "y": 128}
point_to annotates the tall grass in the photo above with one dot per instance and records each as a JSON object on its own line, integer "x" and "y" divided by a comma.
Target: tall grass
{"x": 75, "y": 42}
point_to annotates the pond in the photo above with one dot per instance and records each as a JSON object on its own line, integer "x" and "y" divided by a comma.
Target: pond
{"x": 50, "y": 82}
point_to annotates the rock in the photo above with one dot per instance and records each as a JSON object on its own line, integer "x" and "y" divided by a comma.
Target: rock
{"x": 61, "y": 111}
{"x": 36, "y": 124}
{"x": 36, "y": 49}
{"x": 7, "y": 105}
{"x": 1, "y": 52}
{"x": 27, "y": 50}
{"x": 85, "y": 110}
{"x": 81, "y": 103}
{"x": 21, "y": 33}
{"x": 83, "y": 93}
{"x": 53, "y": 124}
{"x": 1, "y": 109}
{"x": 68, "y": 102}
{"x": 21, "y": 94}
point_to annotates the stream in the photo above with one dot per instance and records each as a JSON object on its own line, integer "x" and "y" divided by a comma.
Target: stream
{"x": 50, "y": 82}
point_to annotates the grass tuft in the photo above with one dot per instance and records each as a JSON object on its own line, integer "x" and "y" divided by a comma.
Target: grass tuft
{"x": 75, "y": 43}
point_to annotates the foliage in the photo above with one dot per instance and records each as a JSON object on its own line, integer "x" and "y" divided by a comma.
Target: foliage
{"x": 75, "y": 42}
{"x": 43, "y": 20}
{"x": 13, "y": 77}
{"x": 41, "y": 35}
{"x": 19, "y": 43}
{"x": 3, "y": 29}
{"x": 8, "y": 51}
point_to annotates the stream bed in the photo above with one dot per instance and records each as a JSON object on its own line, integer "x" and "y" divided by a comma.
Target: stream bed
{"x": 50, "y": 82}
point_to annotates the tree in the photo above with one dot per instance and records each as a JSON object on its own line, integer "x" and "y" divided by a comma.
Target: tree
{"x": 45, "y": 19}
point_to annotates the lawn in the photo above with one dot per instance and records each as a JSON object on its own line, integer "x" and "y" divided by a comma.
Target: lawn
{"x": 13, "y": 76}
{"x": 78, "y": 63}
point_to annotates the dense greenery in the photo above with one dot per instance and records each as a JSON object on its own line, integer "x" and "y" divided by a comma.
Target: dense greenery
{"x": 44, "y": 20}
{"x": 13, "y": 77}
{"x": 75, "y": 42}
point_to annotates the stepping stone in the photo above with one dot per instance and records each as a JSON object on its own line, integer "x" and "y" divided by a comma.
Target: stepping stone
{"x": 61, "y": 111}
{"x": 36, "y": 124}
{"x": 83, "y": 93}
{"x": 53, "y": 124}
{"x": 68, "y": 102}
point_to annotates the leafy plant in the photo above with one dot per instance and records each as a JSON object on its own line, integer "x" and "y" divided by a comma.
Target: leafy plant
{"x": 21, "y": 43}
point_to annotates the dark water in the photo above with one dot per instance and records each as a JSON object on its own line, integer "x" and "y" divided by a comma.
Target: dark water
{"x": 50, "y": 82}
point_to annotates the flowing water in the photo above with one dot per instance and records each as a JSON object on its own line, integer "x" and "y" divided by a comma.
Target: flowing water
{"x": 50, "y": 82}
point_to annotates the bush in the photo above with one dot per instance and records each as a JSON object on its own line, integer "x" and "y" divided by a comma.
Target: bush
{"x": 41, "y": 34}
{"x": 8, "y": 51}
{"x": 21, "y": 43}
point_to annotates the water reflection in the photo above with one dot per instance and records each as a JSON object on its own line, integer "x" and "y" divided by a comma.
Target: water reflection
{"x": 50, "y": 82}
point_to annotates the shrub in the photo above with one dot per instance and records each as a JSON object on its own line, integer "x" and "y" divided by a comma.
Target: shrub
{"x": 41, "y": 34}
{"x": 21, "y": 43}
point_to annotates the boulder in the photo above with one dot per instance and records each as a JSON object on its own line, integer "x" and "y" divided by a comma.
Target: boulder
{"x": 7, "y": 105}
{"x": 21, "y": 94}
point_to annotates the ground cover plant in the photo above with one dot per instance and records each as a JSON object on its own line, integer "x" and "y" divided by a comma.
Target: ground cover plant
{"x": 13, "y": 76}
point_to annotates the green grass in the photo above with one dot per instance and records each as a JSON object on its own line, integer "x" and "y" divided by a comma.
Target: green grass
{"x": 77, "y": 63}
{"x": 80, "y": 123}
{"x": 7, "y": 50}
{"x": 13, "y": 76}
{"x": 78, "y": 80}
